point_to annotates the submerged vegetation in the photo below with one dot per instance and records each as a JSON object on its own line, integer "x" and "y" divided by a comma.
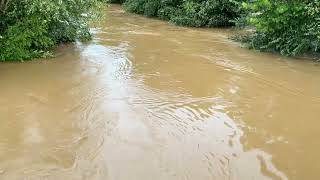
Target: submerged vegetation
{"x": 30, "y": 28}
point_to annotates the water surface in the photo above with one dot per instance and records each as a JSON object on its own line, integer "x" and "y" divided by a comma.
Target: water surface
{"x": 149, "y": 100}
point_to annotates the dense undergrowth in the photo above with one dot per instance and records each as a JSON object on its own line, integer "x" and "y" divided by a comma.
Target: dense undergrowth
{"x": 195, "y": 13}
{"x": 30, "y": 28}
{"x": 289, "y": 27}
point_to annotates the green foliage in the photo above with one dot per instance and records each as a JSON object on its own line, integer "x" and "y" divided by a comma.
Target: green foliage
{"x": 209, "y": 13}
{"x": 169, "y": 9}
{"x": 136, "y": 6}
{"x": 25, "y": 39}
{"x": 289, "y": 27}
{"x": 151, "y": 8}
{"x": 29, "y": 28}
{"x": 195, "y": 13}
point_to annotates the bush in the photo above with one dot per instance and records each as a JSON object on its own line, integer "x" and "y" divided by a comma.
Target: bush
{"x": 151, "y": 8}
{"x": 29, "y": 28}
{"x": 136, "y": 6}
{"x": 169, "y": 9}
{"x": 195, "y": 13}
{"x": 288, "y": 27}
{"x": 209, "y": 13}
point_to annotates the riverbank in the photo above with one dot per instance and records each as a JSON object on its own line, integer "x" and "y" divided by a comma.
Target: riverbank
{"x": 31, "y": 30}
{"x": 190, "y": 106}
{"x": 291, "y": 29}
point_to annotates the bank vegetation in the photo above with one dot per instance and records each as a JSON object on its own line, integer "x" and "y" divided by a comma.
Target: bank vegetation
{"x": 290, "y": 27}
{"x": 30, "y": 28}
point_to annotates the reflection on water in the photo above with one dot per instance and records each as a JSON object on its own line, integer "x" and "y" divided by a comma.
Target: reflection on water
{"x": 149, "y": 100}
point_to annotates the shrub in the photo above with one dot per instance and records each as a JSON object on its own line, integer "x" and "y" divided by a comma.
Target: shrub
{"x": 146, "y": 7}
{"x": 187, "y": 15}
{"x": 29, "y": 28}
{"x": 195, "y": 13}
{"x": 151, "y": 8}
{"x": 167, "y": 13}
{"x": 289, "y": 27}
{"x": 169, "y": 9}
{"x": 135, "y": 6}
{"x": 209, "y": 13}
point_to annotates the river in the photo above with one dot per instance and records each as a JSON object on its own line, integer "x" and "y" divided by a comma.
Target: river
{"x": 149, "y": 100}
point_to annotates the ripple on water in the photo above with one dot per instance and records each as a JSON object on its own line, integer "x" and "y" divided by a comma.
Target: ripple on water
{"x": 139, "y": 102}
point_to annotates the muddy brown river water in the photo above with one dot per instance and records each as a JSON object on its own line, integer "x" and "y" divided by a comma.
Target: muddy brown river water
{"x": 149, "y": 100}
